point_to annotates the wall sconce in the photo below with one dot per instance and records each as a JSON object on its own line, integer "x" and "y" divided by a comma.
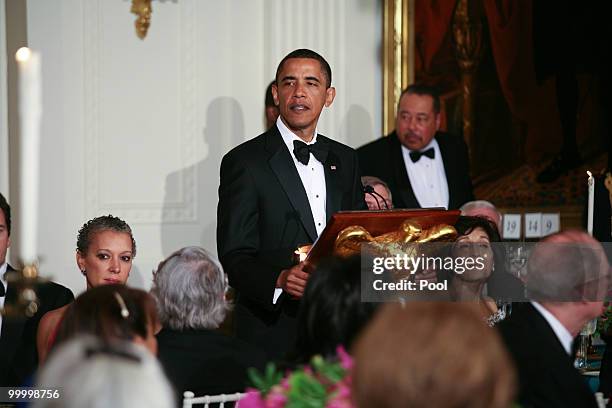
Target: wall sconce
{"x": 143, "y": 10}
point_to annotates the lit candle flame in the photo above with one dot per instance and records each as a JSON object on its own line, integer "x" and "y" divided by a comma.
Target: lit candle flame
{"x": 23, "y": 54}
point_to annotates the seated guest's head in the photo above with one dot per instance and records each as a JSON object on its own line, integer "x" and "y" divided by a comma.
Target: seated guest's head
{"x": 190, "y": 287}
{"x": 468, "y": 279}
{"x": 569, "y": 274}
{"x": 431, "y": 355}
{"x": 5, "y": 228}
{"x": 474, "y": 238}
{"x": 418, "y": 116}
{"x": 331, "y": 311}
{"x": 377, "y": 193}
{"x": 112, "y": 313}
{"x": 271, "y": 108}
{"x": 483, "y": 208}
{"x": 105, "y": 250}
{"x": 5, "y": 233}
{"x": 89, "y": 373}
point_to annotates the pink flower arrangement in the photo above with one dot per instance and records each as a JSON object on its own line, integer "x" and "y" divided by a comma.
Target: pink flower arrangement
{"x": 322, "y": 384}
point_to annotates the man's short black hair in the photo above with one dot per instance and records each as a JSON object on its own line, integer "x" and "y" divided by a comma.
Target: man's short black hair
{"x": 306, "y": 53}
{"x": 6, "y": 209}
{"x": 423, "y": 89}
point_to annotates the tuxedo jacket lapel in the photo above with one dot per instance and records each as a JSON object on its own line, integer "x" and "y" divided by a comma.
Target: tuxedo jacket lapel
{"x": 401, "y": 174}
{"x": 282, "y": 165}
{"x": 449, "y": 161}
{"x": 333, "y": 200}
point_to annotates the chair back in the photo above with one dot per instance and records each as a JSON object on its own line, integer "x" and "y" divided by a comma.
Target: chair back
{"x": 189, "y": 399}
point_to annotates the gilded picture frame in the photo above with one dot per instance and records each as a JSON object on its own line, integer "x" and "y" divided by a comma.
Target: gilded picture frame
{"x": 397, "y": 55}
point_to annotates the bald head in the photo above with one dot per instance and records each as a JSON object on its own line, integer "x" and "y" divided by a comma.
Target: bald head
{"x": 571, "y": 236}
{"x": 484, "y": 209}
{"x": 567, "y": 266}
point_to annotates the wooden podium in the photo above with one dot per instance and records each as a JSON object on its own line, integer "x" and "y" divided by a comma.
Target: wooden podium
{"x": 377, "y": 223}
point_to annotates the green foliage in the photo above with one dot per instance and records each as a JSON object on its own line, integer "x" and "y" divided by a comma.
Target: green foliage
{"x": 313, "y": 386}
{"x": 264, "y": 382}
{"x": 305, "y": 391}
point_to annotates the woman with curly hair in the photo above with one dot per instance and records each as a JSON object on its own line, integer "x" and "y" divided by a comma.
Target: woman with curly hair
{"x": 104, "y": 254}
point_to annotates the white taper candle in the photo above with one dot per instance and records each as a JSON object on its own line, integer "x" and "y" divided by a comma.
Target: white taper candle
{"x": 30, "y": 111}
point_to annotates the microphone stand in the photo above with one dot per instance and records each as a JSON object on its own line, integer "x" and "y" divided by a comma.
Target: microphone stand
{"x": 370, "y": 190}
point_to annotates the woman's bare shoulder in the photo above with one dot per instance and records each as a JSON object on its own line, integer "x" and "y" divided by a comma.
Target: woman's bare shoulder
{"x": 52, "y": 317}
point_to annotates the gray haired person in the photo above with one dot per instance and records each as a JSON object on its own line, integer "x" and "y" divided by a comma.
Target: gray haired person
{"x": 484, "y": 209}
{"x": 189, "y": 287}
{"x": 377, "y": 193}
{"x": 88, "y": 372}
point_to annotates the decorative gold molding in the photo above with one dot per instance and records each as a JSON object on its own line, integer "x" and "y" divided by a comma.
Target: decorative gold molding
{"x": 397, "y": 54}
{"x": 467, "y": 43}
{"x": 143, "y": 10}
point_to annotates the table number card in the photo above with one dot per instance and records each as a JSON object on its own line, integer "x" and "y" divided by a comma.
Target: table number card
{"x": 511, "y": 228}
{"x": 550, "y": 223}
{"x": 533, "y": 225}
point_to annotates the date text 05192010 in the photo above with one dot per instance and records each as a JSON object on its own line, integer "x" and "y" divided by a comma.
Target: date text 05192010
{"x": 24, "y": 394}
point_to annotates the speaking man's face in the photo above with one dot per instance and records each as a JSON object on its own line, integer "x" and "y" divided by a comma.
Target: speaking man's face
{"x": 300, "y": 93}
{"x": 416, "y": 123}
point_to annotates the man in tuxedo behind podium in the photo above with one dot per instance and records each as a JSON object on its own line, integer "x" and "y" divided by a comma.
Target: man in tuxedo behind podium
{"x": 18, "y": 356}
{"x": 423, "y": 166}
{"x": 277, "y": 192}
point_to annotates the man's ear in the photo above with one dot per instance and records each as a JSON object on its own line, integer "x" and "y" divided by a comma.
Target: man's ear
{"x": 438, "y": 120}
{"x": 275, "y": 94}
{"x": 330, "y": 94}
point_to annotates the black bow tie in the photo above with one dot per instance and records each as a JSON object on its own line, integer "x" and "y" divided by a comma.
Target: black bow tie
{"x": 302, "y": 151}
{"x": 2, "y": 290}
{"x": 415, "y": 155}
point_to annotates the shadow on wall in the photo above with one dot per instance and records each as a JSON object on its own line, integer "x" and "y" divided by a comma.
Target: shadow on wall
{"x": 356, "y": 127}
{"x": 189, "y": 216}
{"x": 137, "y": 278}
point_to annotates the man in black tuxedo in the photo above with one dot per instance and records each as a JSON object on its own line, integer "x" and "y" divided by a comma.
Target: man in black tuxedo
{"x": 277, "y": 192}
{"x": 423, "y": 166}
{"x": 568, "y": 276}
{"x": 18, "y": 356}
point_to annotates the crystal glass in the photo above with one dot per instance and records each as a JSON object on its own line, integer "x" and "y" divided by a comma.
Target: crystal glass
{"x": 581, "y": 360}
{"x": 517, "y": 254}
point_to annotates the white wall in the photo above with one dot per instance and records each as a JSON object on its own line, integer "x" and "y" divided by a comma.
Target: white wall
{"x": 137, "y": 128}
{"x": 4, "y": 146}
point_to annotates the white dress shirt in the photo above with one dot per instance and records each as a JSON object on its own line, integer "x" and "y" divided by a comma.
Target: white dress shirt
{"x": 313, "y": 180}
{"x": 564, "y": 336}
{"x": 427, "y": 177}
{"x": 4, "y": 283}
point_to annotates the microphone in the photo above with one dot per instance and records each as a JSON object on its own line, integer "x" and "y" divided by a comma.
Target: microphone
{"x": 370, "y": 190}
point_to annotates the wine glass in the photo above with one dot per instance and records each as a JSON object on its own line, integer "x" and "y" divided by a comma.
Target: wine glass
{"x": 581, "y": 360}
{"x": 517, "y": 255}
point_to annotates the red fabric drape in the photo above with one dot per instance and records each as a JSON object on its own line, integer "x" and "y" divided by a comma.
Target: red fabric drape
{"x": 510, "y": 28}
{"x": 512, "y": 47}
{"x": 511, "y": 35}
{"x": 431, "y": 24}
